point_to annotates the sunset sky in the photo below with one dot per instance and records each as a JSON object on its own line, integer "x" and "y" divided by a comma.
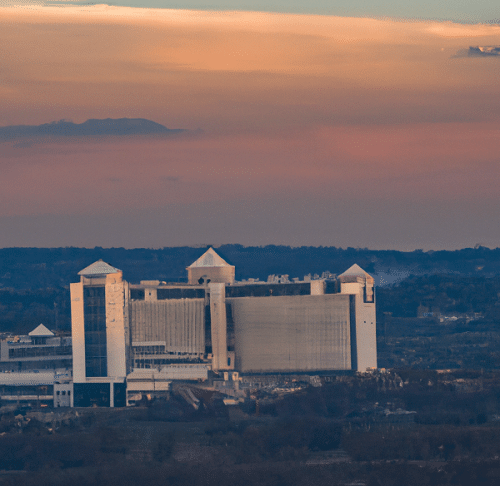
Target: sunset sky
{"x": 371, "y": 125}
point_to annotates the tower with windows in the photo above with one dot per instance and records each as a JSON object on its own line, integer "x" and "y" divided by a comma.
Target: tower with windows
{"x": 99, "y": 335}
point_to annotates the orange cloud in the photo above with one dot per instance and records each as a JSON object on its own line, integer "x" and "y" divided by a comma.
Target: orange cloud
{"x": 237, "y": 70}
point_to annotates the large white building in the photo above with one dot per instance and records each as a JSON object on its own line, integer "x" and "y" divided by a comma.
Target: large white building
{"x": 132, "y": 339}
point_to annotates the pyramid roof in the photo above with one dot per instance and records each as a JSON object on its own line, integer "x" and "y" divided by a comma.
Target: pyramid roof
{"x": 98, "y": 268}
{"x": 210, "y": 259}
{"x": 356, "y": 271}
{"x": 41, "y": 331}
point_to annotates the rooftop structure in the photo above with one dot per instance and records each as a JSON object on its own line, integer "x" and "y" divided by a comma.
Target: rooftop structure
{"x": 210, "y": 267}
{"x": 356, "y": 271}
{"x": 41, "y": 331}
{"x": 98, "y": 269}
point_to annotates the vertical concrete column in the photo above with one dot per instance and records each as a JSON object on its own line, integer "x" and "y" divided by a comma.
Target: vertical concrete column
{"x": 366, "y": 334}
{"x": 150, "y": 295}
{"x": 115, "y": 326}
{"x": 126, "y": 327}
{"x": 111, "y": 394}
{"x": 219, "y": 325}
{"x": 77, "y": 332}
{"x": 317, "y": 287}
{"x": 363, "y": 334}
{"x": 4, "y": 351}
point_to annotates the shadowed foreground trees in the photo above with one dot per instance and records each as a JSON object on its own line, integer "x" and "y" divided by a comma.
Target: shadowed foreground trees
{"x": 296, "y": 443}
{"x": 463, "y": 473}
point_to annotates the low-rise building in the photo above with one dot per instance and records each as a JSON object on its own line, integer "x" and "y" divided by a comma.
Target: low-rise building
{"x": 31, "y": 365}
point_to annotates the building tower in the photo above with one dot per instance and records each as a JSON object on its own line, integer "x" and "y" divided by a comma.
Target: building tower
{"x": 98, "y": 330}
{"x": 210, "y": 267}
{"x": 360, "y": 287}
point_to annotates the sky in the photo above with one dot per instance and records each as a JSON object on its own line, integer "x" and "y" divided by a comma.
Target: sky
{"x": 366, "y": 124}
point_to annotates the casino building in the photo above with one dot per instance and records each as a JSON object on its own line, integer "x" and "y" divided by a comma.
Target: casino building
{"x": 131, "y": 339}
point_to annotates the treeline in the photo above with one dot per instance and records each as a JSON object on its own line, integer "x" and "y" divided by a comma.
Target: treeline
{"x": 442, "y": 294}
{"x": 35, "y": 268}
{"x": 460, "y": 473}
{"x": 23, "y": 310}
{"x": 458, "y": 325}
{"x": 284, "y": 444}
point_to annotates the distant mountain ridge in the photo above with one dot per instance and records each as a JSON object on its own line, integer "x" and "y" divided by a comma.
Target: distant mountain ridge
{"x": 93, "y": 127}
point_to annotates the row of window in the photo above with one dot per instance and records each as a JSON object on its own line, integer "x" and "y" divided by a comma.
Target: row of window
{"x": 167, "y": 294}
{"x": 94, "y": 318}
{"x": 154, "y": 363}
{"x": 33, "y": 352}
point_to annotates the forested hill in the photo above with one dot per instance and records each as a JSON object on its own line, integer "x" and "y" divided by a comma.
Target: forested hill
{"x": 42, "y": 268}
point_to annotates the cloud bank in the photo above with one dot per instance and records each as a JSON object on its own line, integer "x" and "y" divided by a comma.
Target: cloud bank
{"x": 123, "y": 127}
{"x": 486, "y": 51}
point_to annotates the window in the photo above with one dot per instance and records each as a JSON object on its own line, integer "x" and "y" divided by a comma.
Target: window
{"x": 94, "y": 312}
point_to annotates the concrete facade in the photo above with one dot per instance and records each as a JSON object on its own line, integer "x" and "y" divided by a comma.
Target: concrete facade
{"x": 292, "y": 333}
{"x": 77, "y": 331}
{"x": 115, "y": 326}
{"x": 218, "y": 321}
{"x": 177, "y": 323}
